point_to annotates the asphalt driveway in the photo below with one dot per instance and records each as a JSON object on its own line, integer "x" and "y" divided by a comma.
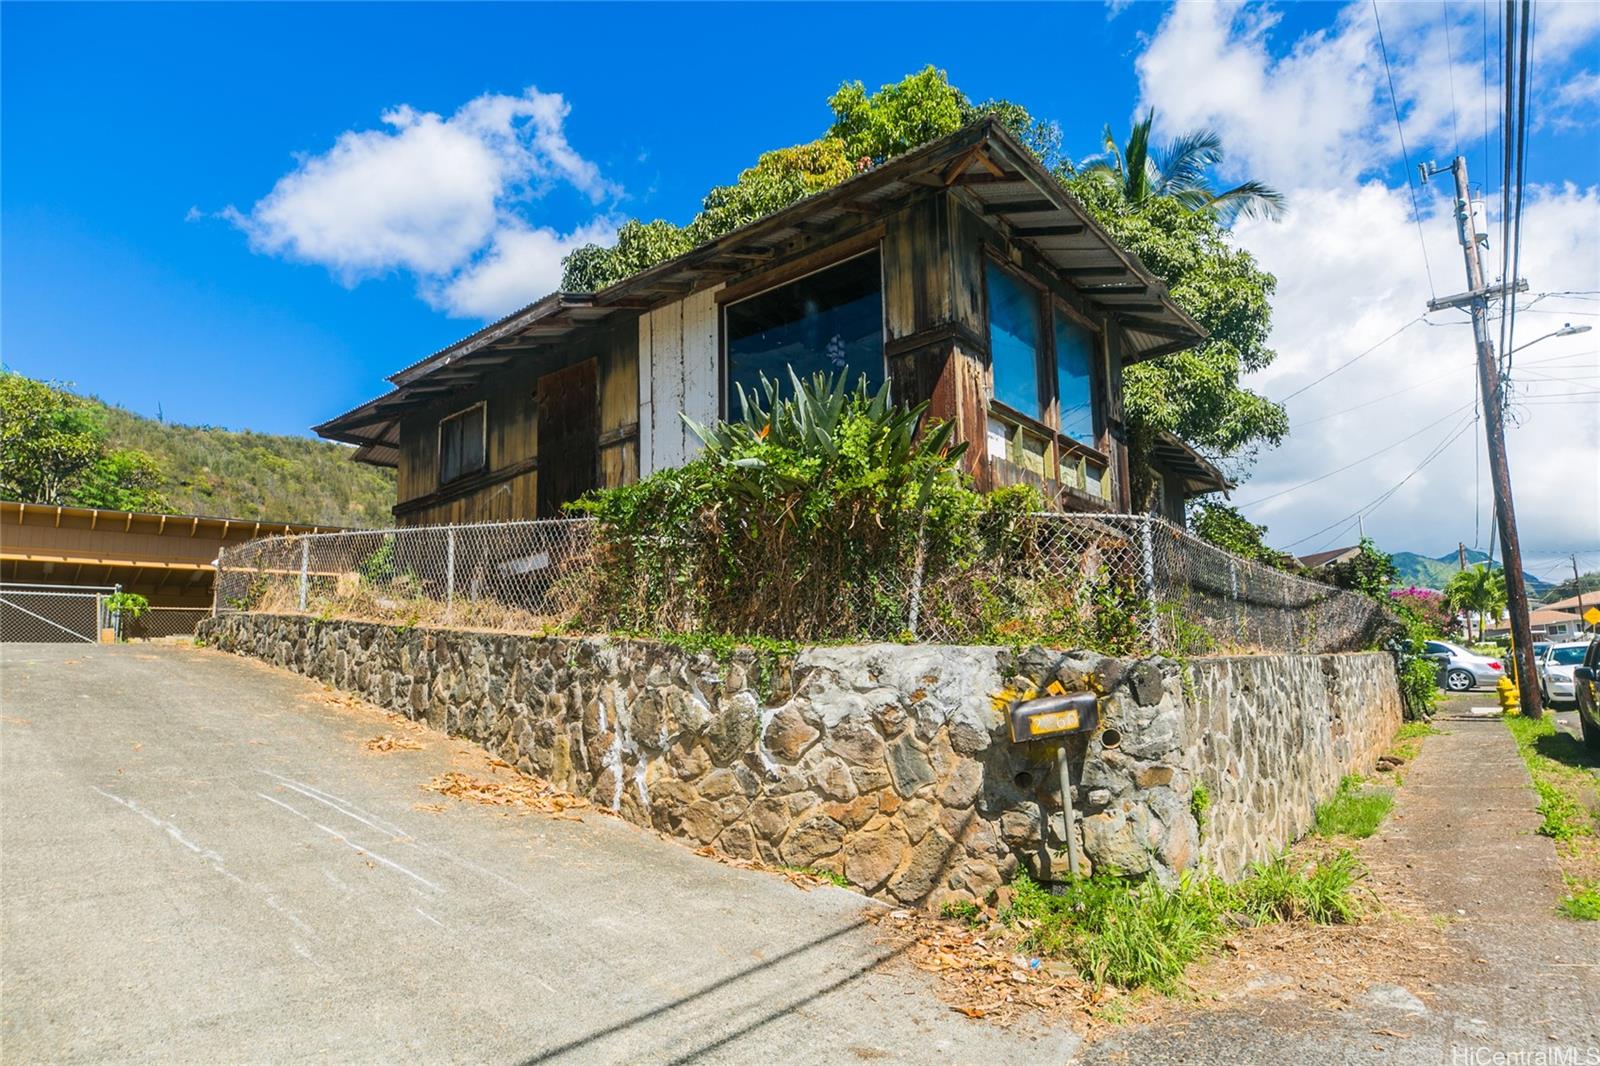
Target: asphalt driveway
{"x": 202, "y": 861}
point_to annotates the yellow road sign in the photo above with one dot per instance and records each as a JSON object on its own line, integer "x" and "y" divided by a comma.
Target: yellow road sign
{"x": 1592, "y": 616}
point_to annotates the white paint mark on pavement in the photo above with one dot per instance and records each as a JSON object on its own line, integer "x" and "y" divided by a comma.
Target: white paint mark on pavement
{"x": 428, "y": 916}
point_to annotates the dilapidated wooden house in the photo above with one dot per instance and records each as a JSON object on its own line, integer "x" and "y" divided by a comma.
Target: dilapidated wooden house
{"x": 962, "y": 273}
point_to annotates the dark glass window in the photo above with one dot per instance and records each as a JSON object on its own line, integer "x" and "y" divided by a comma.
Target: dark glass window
{"x": 830, "y": 321}
{"x": 461, "y": 444}
{"x": 1075, "y": 379}
{"x": 1014, "y": 341}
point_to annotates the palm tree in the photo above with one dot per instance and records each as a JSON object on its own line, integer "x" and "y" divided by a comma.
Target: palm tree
{"x": 1478, "y": 590}
{"x": 1180, "y": 171}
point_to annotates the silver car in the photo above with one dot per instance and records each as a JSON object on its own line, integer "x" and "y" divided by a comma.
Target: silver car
{"x": 1556, "y": 683}
{"x": 1461, "y": 670}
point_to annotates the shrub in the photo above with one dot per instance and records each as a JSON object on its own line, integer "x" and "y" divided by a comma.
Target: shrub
{"x": 827, "y": 512}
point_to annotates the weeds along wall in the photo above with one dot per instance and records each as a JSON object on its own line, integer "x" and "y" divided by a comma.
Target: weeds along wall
{"x": 888, "y": 764}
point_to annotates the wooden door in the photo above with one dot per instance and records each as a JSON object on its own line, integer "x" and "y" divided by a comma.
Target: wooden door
{"x": 569, "y": 436}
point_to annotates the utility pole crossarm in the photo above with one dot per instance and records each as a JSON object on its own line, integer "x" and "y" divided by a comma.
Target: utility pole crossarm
{"x": 1490, "y": 292}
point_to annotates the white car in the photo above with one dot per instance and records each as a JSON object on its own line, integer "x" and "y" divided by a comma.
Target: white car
{"x": 1555, "y": 670}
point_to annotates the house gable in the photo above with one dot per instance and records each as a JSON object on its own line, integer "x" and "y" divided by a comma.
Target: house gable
{"x": 941, "y": 219}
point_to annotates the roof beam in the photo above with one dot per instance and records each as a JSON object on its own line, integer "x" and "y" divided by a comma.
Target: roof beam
{"x": 1095, "y": 272}
{"x": 1019, "y": 207}
{"x": 1070, "y": 229}
{"x": 1131, "y": 288}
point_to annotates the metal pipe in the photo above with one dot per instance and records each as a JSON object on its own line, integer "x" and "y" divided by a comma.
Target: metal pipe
{"x": 1068, "y": 814}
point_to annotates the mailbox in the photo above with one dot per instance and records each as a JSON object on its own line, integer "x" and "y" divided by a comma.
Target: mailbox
{"x": 1052, "y": 717}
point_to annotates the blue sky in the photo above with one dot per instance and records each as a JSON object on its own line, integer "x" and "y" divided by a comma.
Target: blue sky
{"x": 170, "y": 242}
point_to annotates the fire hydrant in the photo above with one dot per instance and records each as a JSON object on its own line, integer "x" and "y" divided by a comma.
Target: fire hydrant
{"x": 1510, "y": 702}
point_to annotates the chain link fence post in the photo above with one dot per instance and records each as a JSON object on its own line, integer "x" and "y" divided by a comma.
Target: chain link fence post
{"x": 1147, "y": 575}
{"x": 449, "y": 570}
{"x": 305, "y": 574}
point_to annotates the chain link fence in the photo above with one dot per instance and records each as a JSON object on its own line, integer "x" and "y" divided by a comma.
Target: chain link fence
{"x": 157, "y": 622}
{"x": 53, "y": 614}
{"x": 1126, "y": 583}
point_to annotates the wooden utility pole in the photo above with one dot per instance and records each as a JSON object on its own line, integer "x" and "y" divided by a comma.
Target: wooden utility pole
{"x": 1577, "y": 580}
{"x": 1461, "y": 555}
{"x": 1491, "y": 385}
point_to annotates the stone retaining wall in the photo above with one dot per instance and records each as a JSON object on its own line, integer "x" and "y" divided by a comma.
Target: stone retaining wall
{"x": 888, "y": 764}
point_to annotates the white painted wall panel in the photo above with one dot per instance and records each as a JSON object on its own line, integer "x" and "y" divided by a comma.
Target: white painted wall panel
{"x": 701, "y": 388}
{"x": 679, "y": 372}
{"x": 666, "y": 362}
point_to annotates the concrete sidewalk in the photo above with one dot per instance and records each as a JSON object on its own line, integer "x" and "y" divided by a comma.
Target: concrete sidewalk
{"x": 1461, "y": 842}
{"x": 202, "y": 865}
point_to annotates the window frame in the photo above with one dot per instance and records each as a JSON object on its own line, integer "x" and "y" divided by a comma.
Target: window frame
{"x": 1064, "y": 449}
{"x": 483, "y": 442}
{"x": 724, "y": 359}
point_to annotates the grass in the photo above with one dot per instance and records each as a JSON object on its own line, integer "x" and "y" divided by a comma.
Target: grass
{"x": 833, "y": 877}
{"x": 1145, "y": 934}
{"x": 1355, "y": 811}
{"x": 1566, "y": 779}
{"x": 1407, "y": 739}
{"x": 1582, "y": 904}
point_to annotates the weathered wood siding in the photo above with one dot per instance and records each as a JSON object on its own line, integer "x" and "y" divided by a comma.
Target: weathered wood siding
{"x": 508, "y": 487}
{"x": 679, "y": 373}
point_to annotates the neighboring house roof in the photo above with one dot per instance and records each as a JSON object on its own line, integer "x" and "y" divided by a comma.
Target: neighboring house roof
{"x": 1337, "y": 555}
{"x": 1548, "y": 617}
{"x": 1587, "y": 600}
{"x": 1197, "y": 473}
{"x": 982, "y": 158}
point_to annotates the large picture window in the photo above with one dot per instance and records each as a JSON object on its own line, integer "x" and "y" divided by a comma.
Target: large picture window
{"x": 461, "y": 444}
{"x": 830, "y": 321}
{"x": 1044, "y": 362}
{"x": 1014, "y": 343}
{"x": 1075, "y": 358}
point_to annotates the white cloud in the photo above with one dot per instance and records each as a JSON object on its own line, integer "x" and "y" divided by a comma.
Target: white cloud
{"x": 523, "y": 260}
{"x": 442, "y": 198}
{"x": 1312, "y": 116}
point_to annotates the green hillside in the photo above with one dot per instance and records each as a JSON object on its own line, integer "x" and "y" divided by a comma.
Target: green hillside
{"x": 1429, "y": 573}
{"x": 57, "y": 447}
{"x": 243, "y": 474}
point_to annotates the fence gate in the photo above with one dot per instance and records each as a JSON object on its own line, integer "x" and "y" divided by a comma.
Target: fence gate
{"x": 60, "y": 614}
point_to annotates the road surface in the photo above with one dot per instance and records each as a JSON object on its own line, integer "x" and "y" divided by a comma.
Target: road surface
{"x": 203, "y": 862}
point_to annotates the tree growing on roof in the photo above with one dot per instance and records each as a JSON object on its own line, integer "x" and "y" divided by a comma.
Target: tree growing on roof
{"x": 1175, "y": 224}
{"x": 1179, "y": 171}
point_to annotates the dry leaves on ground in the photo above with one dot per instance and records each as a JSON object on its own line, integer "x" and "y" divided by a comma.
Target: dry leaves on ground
{"x": 529, "y": 793}
{"x": 979, "y": 973}
{"x": 801, "y": 879}
{"x": 387, "y": 742}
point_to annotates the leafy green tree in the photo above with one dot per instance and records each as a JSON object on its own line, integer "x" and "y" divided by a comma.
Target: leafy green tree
{"x": 48, "y": 438}
{"x": 1371, "y": 572}
{"x": 53, "y": 450}
{"x": 1587, "y": 583}
{"x": 122, "y": 480}
{"x": 1477, "y": 590}
{"x": 1180, "y": 171}
{"x": 1227, "y": 528}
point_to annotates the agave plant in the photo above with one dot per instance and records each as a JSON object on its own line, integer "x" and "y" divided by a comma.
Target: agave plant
{"x": 824, "y": 418}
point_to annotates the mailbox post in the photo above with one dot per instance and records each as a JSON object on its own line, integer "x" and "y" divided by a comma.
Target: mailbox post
{"x": 1057, "y": 718}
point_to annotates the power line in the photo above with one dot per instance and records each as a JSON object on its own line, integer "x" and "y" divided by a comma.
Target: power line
{"x": 1378, "y": 501}
{"x": 1352, "y": 360}
{"x": 1357, "y": 462}
{"x": 1450, "y": 71}
{"x": 1411, "y": 185}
